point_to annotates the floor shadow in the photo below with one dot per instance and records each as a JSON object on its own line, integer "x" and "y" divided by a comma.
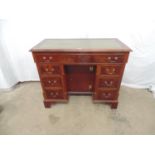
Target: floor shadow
{"x": 1, "y": 109}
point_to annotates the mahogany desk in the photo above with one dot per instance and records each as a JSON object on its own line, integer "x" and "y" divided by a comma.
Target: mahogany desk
{"x": 81, "y": 66}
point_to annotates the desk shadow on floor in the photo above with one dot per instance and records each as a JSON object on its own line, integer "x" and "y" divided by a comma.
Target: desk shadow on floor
{"x": 53, "y": 119}
{"x": 1, "y": 109}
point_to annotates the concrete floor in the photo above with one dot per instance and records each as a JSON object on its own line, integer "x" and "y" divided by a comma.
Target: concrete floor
{"x": 22, "y": 112}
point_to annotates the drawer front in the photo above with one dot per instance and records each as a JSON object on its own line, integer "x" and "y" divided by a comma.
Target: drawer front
{"x": 54, "y": 94}
{"x": 52, "y": 82}
{"x": 108, "y": 82}
{"x": 80, "y": 58}
{"x": 107, "y": 95}
{"x": 44, "y": 58}
{"x": 111, "y": 69}
{"x": 69, "y": 58}
{"x": 109, "y": 58}
{"x": 49, "y": 69}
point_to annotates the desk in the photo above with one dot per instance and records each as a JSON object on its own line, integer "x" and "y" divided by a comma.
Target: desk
{"x": 80, "y": 66}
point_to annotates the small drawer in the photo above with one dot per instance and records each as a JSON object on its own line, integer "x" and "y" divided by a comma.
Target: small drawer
{"x": 108, "y": 58}
{"x": 54, "y": 94}
{"x": 108, "y": 82}
{"x": 50, "y": 69}
{"x": 52, "y": 82}
{"x": 114, "y": 58}
{"x": 107, "y": 95}
{"x": 45, "y": 57}
{"x": 111, "y": 69}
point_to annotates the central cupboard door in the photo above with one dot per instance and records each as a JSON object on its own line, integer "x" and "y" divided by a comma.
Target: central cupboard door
{"x": 80, "y": 78}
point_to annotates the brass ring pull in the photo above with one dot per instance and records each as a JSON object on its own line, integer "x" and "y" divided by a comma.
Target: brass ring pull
{"x": 90, "y": 87}
{"x": 44, "y": 58}
{"x": 51, "y": 58}
{"x": 46, "y": 69}
{"x": 109, "y": 58}
{"x": 106, "y": 95}
{"x": 116, "y": 58}
{"x": 108, "y": 84}
{"x": 49, "y": 81}
{"x": 54, "y": 94}
{"x": 113, "y": 59}
{"x": 110, "y": 70}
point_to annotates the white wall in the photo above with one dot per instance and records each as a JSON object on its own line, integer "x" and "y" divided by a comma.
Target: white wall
{"x": 28, "y": 22}
{"x": 7, "y": 69}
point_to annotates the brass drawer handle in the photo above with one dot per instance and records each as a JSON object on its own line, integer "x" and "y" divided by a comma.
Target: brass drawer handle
{"x": 113, "y": 59}
{"x": 108, "y": 84}
{"x": 106, "y": 95}
{"x": 50, "y": 57}
{"x": 116, "y": 58}
{"x": 90, "y": 87}
{"x": 53, "y": 81}
{"x": 49, "y": 81}
{"x": 47, "y": 58}
{"x": 44, "y": 58}
{"x": 109, "y": 58}
{"x": 46, "y": 69}
{"x": 54, "y": 94}
{"x": 110, "y": 71}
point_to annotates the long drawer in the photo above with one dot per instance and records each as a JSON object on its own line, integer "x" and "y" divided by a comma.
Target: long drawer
{"x": 80, "y": 58}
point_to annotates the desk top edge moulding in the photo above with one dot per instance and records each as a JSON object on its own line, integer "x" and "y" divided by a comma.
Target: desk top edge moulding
{"x": 98, "y": 63}
{"x": 96, "y": 44}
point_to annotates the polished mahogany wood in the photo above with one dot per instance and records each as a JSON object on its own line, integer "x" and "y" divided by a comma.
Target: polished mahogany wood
{"x": 81, "y": 78}
{"x": 81, "y": 66}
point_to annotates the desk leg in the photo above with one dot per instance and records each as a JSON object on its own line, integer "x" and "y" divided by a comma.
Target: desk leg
{"x": 114, "y": 105}
{"x": 48, "y": 104}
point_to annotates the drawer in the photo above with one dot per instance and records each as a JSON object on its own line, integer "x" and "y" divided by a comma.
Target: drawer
{"x": 50, "y": 69}
{"x": 107, "y": 95}
{"x": 44, "y": 57}
{"x": 52, "y": 82}
{"x": 111, "y": 69}
{"x": 80, "y": 58}
{"x": 111, "y": 82}
{"x": 109, "y": 58}
{"x": 54, "y": 94}
{"x": 69, "y": 58}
